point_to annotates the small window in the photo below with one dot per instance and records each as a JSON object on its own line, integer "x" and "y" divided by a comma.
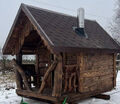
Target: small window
{"x": 28, "y": 59}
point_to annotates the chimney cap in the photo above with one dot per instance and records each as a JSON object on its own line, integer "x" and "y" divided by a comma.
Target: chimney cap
{"x": 80, "y": 16}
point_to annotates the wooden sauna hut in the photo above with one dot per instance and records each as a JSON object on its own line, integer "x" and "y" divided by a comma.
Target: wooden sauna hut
{"x": 75, "y": 58}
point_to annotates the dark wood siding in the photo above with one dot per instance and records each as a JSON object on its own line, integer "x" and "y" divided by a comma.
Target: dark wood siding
{"x": 96, "y": 72}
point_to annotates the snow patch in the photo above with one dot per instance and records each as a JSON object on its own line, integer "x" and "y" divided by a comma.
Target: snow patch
{"x": 10, "y": 97}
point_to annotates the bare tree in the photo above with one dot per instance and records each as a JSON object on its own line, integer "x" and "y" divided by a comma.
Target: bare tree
{"x": 115, "y": 25}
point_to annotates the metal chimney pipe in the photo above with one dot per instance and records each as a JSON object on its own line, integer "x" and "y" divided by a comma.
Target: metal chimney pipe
{"x": 80, "y": 16}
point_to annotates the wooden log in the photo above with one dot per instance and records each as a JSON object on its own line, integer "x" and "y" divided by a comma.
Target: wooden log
{"x": 96, "y": 73}
{"x": 103, "y": 96}
{"x": 66, "y": 82}
{"x": 36, "y": 95}
{"x": 49, "y": 70}
{"x": 70, "y": 82}
{"x": 74, "y": 82}
{"x": 57, "y": 89}
{"x": 20, "y": 70}
{"x": 17, "y": 74}
{"x": 114, "y": 69}
{"x": 77, "y": 97}
{"x": 37, "y": 71}
{"x": 80, "y": 68}
{"x": 18, "y": 80}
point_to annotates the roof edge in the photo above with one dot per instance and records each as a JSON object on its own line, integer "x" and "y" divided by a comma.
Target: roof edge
{"x": 11, "y": 30}
{"x": 38, "y": 28}
{"x": 60, "y": 49}
{"x": 114, "y": 42}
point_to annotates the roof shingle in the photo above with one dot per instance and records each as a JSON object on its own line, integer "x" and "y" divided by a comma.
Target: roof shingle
{"x": 59, "y": 28}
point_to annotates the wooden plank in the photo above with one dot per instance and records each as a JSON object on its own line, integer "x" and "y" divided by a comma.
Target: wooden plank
{"x": 36, "y": 95}
{"x": 80, "y": 68}
{"x": 114, "y": 69}
{"x": 96, "y": 73}
{"x": 71, "y": 65}
{"x": 57, "y": 89}
{"x": 94, "y": 80}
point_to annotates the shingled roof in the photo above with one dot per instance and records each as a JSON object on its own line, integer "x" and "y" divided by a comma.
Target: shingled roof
{"x": 57, "y": 29}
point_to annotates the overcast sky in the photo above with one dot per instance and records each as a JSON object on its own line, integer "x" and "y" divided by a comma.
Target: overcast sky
{"x": 100, "y": 10}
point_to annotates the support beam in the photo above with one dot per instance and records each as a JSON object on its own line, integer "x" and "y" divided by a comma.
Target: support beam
{"x": 18, "y": 76}
{"x": 57, "y": 89}
{"x": 22, "y": 73}
{"x": 49, "y": 70}
{"x": 114, "y": 69}
{"x": 103, "y": 96}
{"x": 32, "y": 94}
{"x": 37, "y": 71}
{"x": 80, "y": 69}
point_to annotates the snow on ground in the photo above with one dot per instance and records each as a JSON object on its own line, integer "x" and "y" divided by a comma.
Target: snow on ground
{"x": 10, "y": 97}
{"x": 114, "y": 94}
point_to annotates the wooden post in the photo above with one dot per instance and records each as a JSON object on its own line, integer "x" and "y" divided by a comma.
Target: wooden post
{"x": 22, "y": 74}
{"x": 49, "y": 70}
{"x": 81, "y": 67}
{"x": 37, "y": 71}
{"x": 114, "y": 69}
{"x": 18, "y": 76}
{"x": 57, "y": 89}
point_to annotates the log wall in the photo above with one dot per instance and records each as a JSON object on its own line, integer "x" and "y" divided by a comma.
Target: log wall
{"x": 43, "y": 61}
{"x": 88, "y": 72}
{"x": 96, "y": 72}
{"x": 70, "y": 67}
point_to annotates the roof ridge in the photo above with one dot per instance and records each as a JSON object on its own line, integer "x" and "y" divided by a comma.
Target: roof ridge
{"x": 60, "y": 13}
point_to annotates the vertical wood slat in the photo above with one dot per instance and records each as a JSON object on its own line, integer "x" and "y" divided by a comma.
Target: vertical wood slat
{"x": 81, "y": 67}
{"x": 57, "y": 89}
{"x": 18, "y": 76}
{"x": 114, "y": 69}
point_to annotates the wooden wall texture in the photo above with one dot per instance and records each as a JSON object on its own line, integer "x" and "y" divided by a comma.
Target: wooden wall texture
{"x": 96, "y": 72}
